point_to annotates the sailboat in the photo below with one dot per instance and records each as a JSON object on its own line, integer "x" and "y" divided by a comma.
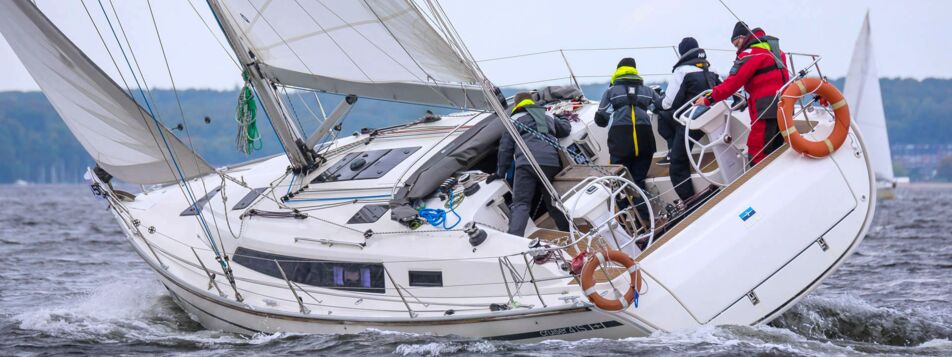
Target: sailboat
{"x": 401, "y": 229}
{"x": 863, "y": 93}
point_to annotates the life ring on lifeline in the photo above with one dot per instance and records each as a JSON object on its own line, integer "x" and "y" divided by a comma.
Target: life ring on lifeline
{"x": 841, "y": 113}
{"x": 588, "y": 280}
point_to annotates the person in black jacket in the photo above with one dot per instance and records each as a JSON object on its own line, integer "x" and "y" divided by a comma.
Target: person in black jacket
{"x": 624, "y": 110}
{"x": 540, "y": 132}
{"x": 691, "y": 76}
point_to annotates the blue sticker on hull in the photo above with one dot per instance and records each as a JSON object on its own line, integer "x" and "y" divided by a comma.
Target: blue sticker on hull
{"x": 749, "y": 212}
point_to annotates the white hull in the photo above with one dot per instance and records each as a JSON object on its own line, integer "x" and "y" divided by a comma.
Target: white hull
{"x": 712, "y": 269}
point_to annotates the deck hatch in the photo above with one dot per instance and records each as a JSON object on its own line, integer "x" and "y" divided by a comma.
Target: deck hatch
{"x": 191, "y": 211}
{"x": 369, "y": 214}
{"x": 351, "y": 276}
{"x": 365, "y": 165}
{"x": 249, "y": 198}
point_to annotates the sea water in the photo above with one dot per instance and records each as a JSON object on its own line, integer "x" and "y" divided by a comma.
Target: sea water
{"x": 70, "y": 283}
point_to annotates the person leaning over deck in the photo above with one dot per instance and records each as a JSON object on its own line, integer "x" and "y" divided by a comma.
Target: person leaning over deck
{"x": 624, "y": 110}
{"x": 761, "y": 68}
{"x": 539, "y": 131}
{"x": 690, "y": 76}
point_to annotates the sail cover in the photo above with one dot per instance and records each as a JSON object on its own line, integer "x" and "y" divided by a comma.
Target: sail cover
{"x": 111, "y": 126}
{"x": 374, "y": 48}
{"x": 865, "y": 99}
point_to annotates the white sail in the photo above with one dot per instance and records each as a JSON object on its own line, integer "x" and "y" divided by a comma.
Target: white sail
{"x": 375, "y": 48}
{"x": 866, "y": 103}
{"x": 121, "y": 136}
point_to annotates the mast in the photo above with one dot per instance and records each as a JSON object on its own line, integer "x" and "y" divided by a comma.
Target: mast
{"x": 300, "y": 156}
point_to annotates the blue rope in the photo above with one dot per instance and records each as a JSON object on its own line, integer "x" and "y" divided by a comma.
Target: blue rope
{"x": 291, "y": 184}
{"x": 437, "y": 216}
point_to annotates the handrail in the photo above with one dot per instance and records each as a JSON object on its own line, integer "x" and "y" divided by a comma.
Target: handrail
{"x": 572, "y": 77}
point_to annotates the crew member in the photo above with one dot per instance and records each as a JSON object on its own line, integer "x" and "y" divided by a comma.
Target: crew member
{"x": 691, "y": 76}
{"x": 540, "y": 132}
{"x": 761, "y": 68}
{"x": 624, "y": 110}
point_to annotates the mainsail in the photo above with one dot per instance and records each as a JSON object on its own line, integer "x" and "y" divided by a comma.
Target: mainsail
{"x": 382, "y": 49}
{"x": 865, "y": 99}
{"x": 119, "y": 134}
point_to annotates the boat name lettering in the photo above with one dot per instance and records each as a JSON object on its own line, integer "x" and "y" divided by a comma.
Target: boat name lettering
{"x": 572, "y": 329}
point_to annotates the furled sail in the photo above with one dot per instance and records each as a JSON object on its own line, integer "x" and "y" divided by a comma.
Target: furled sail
{"x": 866, "y": 103}
{"x": 119, "y": 134}
{"x": 374, "y": 48}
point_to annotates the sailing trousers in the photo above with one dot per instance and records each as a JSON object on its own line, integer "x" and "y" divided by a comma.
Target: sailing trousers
{"x": 524, "y": 187}
{"x": 638, "y": 165}
{"x": 679, "y": 168}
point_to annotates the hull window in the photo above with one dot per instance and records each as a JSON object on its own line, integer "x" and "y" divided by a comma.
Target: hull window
{"x": 352, "y": 276}
{"x": 426, "y": 278}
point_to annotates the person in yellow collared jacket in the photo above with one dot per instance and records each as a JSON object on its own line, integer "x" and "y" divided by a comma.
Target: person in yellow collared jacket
{"x": 624, "y": 110}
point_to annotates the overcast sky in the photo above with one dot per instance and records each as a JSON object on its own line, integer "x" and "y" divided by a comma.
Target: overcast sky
{"x": 910, "y": 37}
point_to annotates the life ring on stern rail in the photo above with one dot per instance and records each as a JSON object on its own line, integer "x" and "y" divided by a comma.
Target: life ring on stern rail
{"x": 841, "y": 113}
{"x": 588, "y": 280}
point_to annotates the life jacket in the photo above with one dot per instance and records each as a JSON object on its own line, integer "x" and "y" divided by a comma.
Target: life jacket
{"x": 537, "y": 113}
{"x": 769, "y": 43}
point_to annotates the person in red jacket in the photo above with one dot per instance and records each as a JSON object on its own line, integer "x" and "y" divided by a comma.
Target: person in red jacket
{"x": 761, "y": 68}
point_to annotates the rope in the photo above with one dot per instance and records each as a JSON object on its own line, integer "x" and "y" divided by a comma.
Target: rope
{"x": 437, "y": 216}
{"x": 248, "y": 139}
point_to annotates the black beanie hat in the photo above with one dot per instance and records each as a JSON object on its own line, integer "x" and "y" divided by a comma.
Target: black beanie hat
{"x": 687, "y": 44}
{"x": 627, "y": 61}
{"x": 740, "y": 29}
{"x": 521, "y": 96}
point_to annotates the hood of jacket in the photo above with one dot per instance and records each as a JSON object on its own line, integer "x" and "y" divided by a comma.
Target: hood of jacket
{"x": 758, "y": 36}
{"x": 624, "y": 73}
{"x": 696, "y": 57}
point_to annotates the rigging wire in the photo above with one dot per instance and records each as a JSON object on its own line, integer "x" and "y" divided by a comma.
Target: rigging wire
{"x": 185, "y": 125}
{"x": 228, "y": 53}
{"x": 183, "y": 185}
{"x": 108, "y": 51}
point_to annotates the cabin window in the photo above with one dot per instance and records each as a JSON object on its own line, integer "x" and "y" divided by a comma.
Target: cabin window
{"x": 426, "y": 278}
{"x": 351, "y": 276}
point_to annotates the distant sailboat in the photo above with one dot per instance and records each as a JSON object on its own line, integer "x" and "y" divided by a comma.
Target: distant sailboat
{"x": 865, "y": 99}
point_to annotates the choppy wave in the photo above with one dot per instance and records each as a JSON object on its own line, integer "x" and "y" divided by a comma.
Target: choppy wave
{"x": 77, "y": 288}
{"x": 851, "y": 318}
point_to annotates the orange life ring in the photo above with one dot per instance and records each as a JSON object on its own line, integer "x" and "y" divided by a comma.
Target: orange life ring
{"x": 588, "y": 280}
{"x": 841, "y": 112}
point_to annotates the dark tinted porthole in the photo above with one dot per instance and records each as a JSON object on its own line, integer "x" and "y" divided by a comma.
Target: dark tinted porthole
{"x": 426, "y": 278}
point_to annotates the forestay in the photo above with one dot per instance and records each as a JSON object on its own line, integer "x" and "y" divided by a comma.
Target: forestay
{"x": 119, "y": 134}
{"x": 374, "y": 48}
{"x": 865, "y": 99}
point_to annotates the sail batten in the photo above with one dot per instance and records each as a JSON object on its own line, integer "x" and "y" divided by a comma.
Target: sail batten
{"x": 863, "y": 93}
{"x": 375, "y": 48}
{"x": 118, "y": 133}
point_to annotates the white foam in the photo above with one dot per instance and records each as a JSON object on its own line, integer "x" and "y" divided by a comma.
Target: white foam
{"x": 439, "y": 348}
{"x": 126, "y": 310}
{"x": 937, "y": 343}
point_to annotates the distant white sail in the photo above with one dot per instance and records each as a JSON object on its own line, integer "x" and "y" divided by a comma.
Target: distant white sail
{"x": 866, "y": 103}
{"x": 374, "y": 48}
{"x": 111, "y": 126}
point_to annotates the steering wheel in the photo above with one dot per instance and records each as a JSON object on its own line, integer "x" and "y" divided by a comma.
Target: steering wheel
{"x": 613, "y": 187}
{"x": 688, "y": 112}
